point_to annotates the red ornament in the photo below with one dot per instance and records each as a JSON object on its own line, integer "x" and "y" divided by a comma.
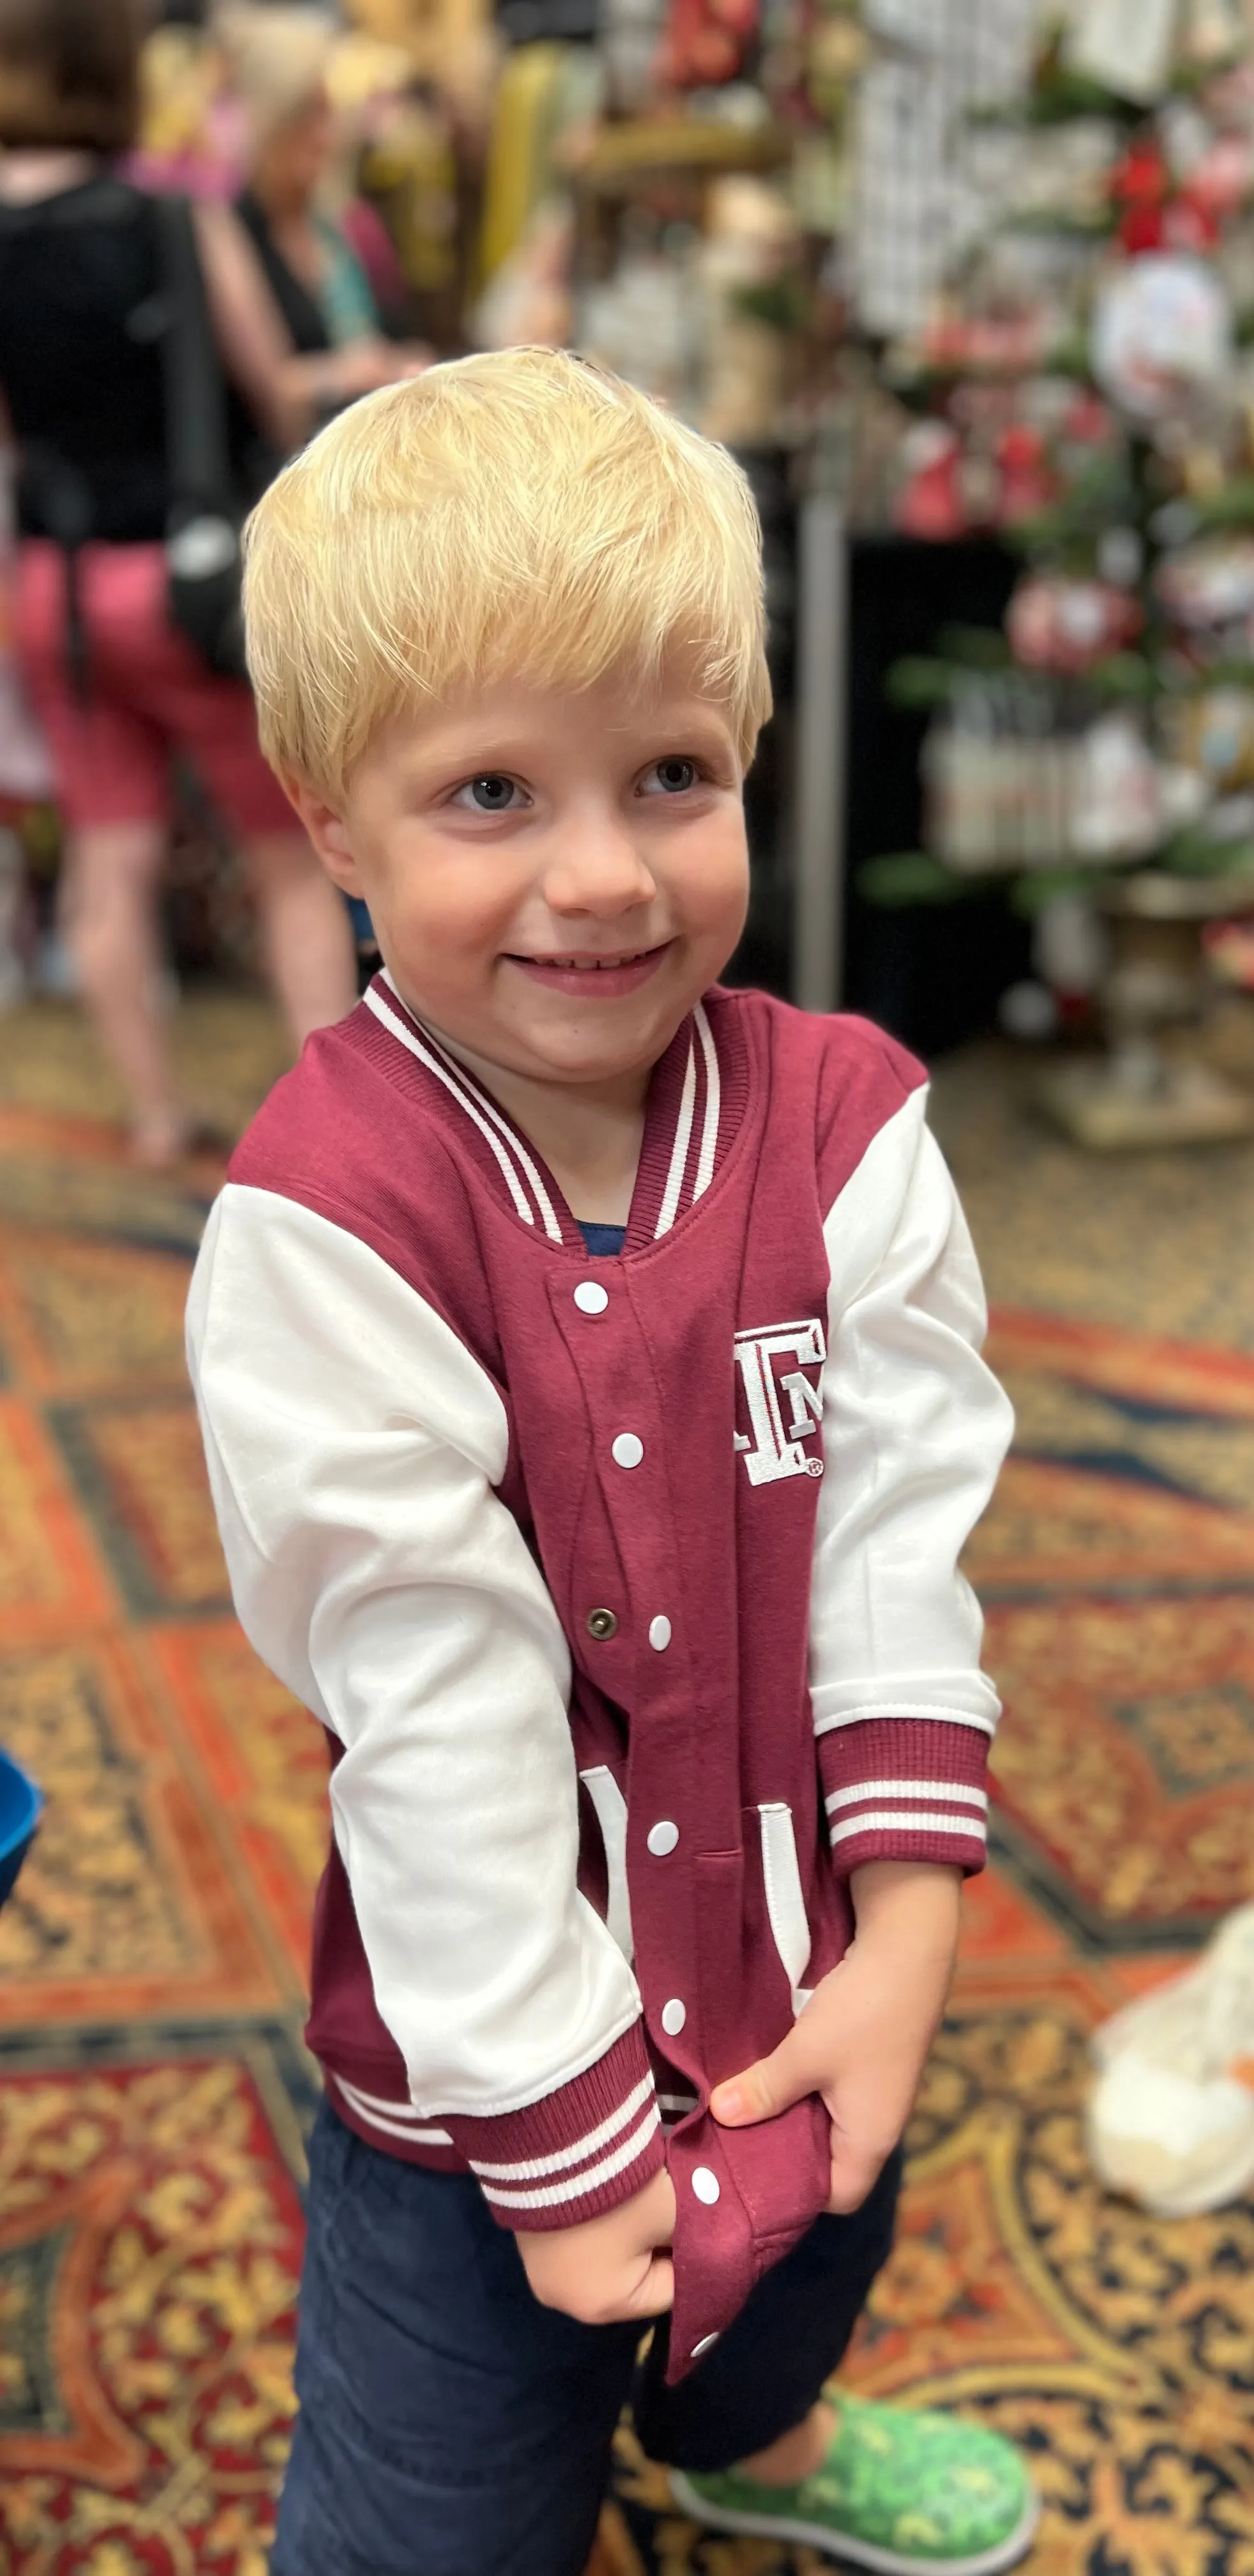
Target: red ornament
{"x": 1087, "y": 420}
{"x": 930, "y": 502}
{"x": 1190, "y": 223}
{"x": 1139, "y": 187}
{"x": 1056, "y": 624}
{"x": 1027, "y": 484}
{"x": 706, "y": 41}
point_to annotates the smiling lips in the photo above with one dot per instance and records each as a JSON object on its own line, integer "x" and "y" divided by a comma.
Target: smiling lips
{"x": 580, "y": 971}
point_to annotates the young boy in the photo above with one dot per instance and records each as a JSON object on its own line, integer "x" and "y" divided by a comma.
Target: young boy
{"x": 587, "y": 1361}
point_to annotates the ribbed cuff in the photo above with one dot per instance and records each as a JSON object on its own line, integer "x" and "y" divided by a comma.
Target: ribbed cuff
{"x": 581, "y": 2150}
{"x": 906, "y": 1788}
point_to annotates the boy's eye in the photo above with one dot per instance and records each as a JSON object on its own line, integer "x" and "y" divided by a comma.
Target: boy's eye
{"x": 493, "y": 793}
{"x": 674, "y": 776}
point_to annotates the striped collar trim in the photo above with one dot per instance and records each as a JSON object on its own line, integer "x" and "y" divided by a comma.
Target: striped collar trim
{"x": 687, "y": 1125}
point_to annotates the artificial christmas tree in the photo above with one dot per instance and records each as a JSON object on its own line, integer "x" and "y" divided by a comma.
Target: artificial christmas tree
{"x": 1086, "y": 387}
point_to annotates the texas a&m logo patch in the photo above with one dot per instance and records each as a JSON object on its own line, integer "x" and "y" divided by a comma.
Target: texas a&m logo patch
{"x": 785, "y": 1410}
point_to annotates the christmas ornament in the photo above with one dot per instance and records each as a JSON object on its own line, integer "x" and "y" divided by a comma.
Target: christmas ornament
{"x": 1161, "y": 332}
{"x": 1059, "y": 625}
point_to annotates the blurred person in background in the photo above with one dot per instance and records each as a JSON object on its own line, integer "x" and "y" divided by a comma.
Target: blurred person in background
{"x": 280, "y": 62}
{"x": 81, "y": 375}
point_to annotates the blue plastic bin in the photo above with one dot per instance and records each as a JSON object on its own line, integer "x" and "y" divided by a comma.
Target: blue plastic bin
{"x": 20, "y": 1808}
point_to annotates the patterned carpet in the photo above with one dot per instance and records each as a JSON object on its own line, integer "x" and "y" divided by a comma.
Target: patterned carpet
{"x": 151, "y": 1967}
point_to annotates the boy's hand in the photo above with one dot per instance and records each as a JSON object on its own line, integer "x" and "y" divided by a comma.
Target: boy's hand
{"x": 608, "y": 2268}
{"x": 863, "y": 2037}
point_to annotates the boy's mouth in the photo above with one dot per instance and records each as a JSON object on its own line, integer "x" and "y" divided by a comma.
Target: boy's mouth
{"x": 585, "y": 970}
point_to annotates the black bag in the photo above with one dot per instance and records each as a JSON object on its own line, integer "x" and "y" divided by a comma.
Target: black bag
{"x": 203, "y": 552}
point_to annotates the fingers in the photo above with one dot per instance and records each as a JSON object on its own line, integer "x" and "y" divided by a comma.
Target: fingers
{"x": 771, "y": 2085}
{"x": 593, "y": 2303}
{"x": 656, "y": 2293}
{"x": 855, "y": 2172}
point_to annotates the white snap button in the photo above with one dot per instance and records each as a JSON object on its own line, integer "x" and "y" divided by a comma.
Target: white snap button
{"x": 674, "y": 2015}
{"x": 591, "y": 1298}
{"x": 627, "y": 1450}
{"x": 659, "y": 1634}
{"x": 703, "y": 2346}
{"x": 705, "y": 2184}
{"x": 663, "y": 1838}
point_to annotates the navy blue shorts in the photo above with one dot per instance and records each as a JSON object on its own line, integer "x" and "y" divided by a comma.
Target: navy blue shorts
{"x": 451, "y": 2426}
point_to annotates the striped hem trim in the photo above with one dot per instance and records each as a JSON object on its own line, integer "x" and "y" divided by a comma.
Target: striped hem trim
{"x": 534, "y": 2167}
{"x": 675, "y": 2107}
{"x": 556, "y": 2195}
{"x": 944, "y": 1792}
{"x": 891, "y": 1820}
{"x": 392, "y": 2119}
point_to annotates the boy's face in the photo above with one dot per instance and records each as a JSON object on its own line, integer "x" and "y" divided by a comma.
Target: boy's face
{"x": 554, "y": 877}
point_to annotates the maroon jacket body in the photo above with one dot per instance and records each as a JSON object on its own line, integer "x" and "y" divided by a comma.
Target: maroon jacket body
{"x": 626, "y": 1589}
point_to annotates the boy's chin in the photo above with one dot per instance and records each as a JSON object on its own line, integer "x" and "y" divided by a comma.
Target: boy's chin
{"x": 597, "y": 1043}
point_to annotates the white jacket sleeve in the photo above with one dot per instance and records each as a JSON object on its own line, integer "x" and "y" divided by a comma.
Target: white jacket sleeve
{"x": 353, "y": 1446}
{"x": 915, "y": 1428}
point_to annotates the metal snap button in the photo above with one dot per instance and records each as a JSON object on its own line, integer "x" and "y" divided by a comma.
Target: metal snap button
{"x": 591, "y": 1298}
{"x": 660, "y": 1633}
{"x": 602, "y": 1624}
{"x": 706, "y": 2185}
{"x": 674, "y": 2015}
{"x": 627, "y": 1450}
{"x": 662, "y": 1838}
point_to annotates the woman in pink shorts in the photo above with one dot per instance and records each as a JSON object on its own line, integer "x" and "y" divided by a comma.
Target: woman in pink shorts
{"x": 80, "y": 369}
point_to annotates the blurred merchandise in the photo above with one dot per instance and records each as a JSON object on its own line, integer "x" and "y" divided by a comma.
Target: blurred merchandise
{"x": 1171, "y": 2114}
{"x": 1082, "y": 386}
{"x": 189, "y": 135}
{"x": 1161, "y": 335}
{"x": 1229, "y": 947}
{"x": 450, "y": 45}
{"x": 20, "y": 1809}
{"x": 750, "y": 283}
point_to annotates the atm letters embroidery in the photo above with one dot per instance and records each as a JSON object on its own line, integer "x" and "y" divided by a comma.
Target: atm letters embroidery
{"x": 775, "y": 1446}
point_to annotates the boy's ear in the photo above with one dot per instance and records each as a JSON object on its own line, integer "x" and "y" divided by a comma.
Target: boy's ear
{"x": 328, "y": 833}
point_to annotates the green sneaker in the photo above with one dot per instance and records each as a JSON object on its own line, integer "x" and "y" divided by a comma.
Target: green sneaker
{"x": 898, "y": 2492}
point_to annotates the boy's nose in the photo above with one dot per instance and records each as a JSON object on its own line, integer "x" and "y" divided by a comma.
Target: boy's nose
{"x": 598, "y": 869}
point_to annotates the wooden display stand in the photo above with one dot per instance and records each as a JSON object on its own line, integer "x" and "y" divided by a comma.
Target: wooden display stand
{"x": 1144, "y": 1093}
{"x": 671, "y": 156}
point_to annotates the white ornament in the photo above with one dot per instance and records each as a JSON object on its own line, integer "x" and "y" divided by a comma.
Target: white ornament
{"x": 1161, "y": 331}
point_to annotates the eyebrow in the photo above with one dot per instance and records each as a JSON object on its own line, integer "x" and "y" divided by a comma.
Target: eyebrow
{"x": 688, "y": 727}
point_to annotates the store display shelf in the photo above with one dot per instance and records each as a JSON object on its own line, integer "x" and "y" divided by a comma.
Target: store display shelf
{"x": 626, "y": 156}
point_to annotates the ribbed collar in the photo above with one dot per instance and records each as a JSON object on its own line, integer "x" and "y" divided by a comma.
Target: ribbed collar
{"x": 695, "y": 1104}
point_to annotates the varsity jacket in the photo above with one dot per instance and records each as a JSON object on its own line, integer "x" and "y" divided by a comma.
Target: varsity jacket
{"x": 625, "y": 1589}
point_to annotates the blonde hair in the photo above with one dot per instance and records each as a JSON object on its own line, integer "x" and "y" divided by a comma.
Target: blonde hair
{"x": 279, "y": 60}
{"x": 518, "y": 515}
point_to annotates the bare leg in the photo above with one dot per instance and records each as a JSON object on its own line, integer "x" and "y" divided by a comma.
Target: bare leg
{"x": 306, "y": 935}
{"x": 111, "y": 926}
{"x": 796, "y": 2455}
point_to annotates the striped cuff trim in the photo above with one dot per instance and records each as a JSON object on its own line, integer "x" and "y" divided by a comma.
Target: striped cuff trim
{"x": 892, "y": 1820}
{"x": 534, "y": 2167}
{"x": 945, "y": 1792}
{"x": 392, "y": 2119}
{"x": 554, "y": 2195}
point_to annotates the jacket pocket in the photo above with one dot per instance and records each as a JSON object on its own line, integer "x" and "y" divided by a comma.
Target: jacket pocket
{"x": 611, "y": 1815}
{"x": 785, "y": 1904}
